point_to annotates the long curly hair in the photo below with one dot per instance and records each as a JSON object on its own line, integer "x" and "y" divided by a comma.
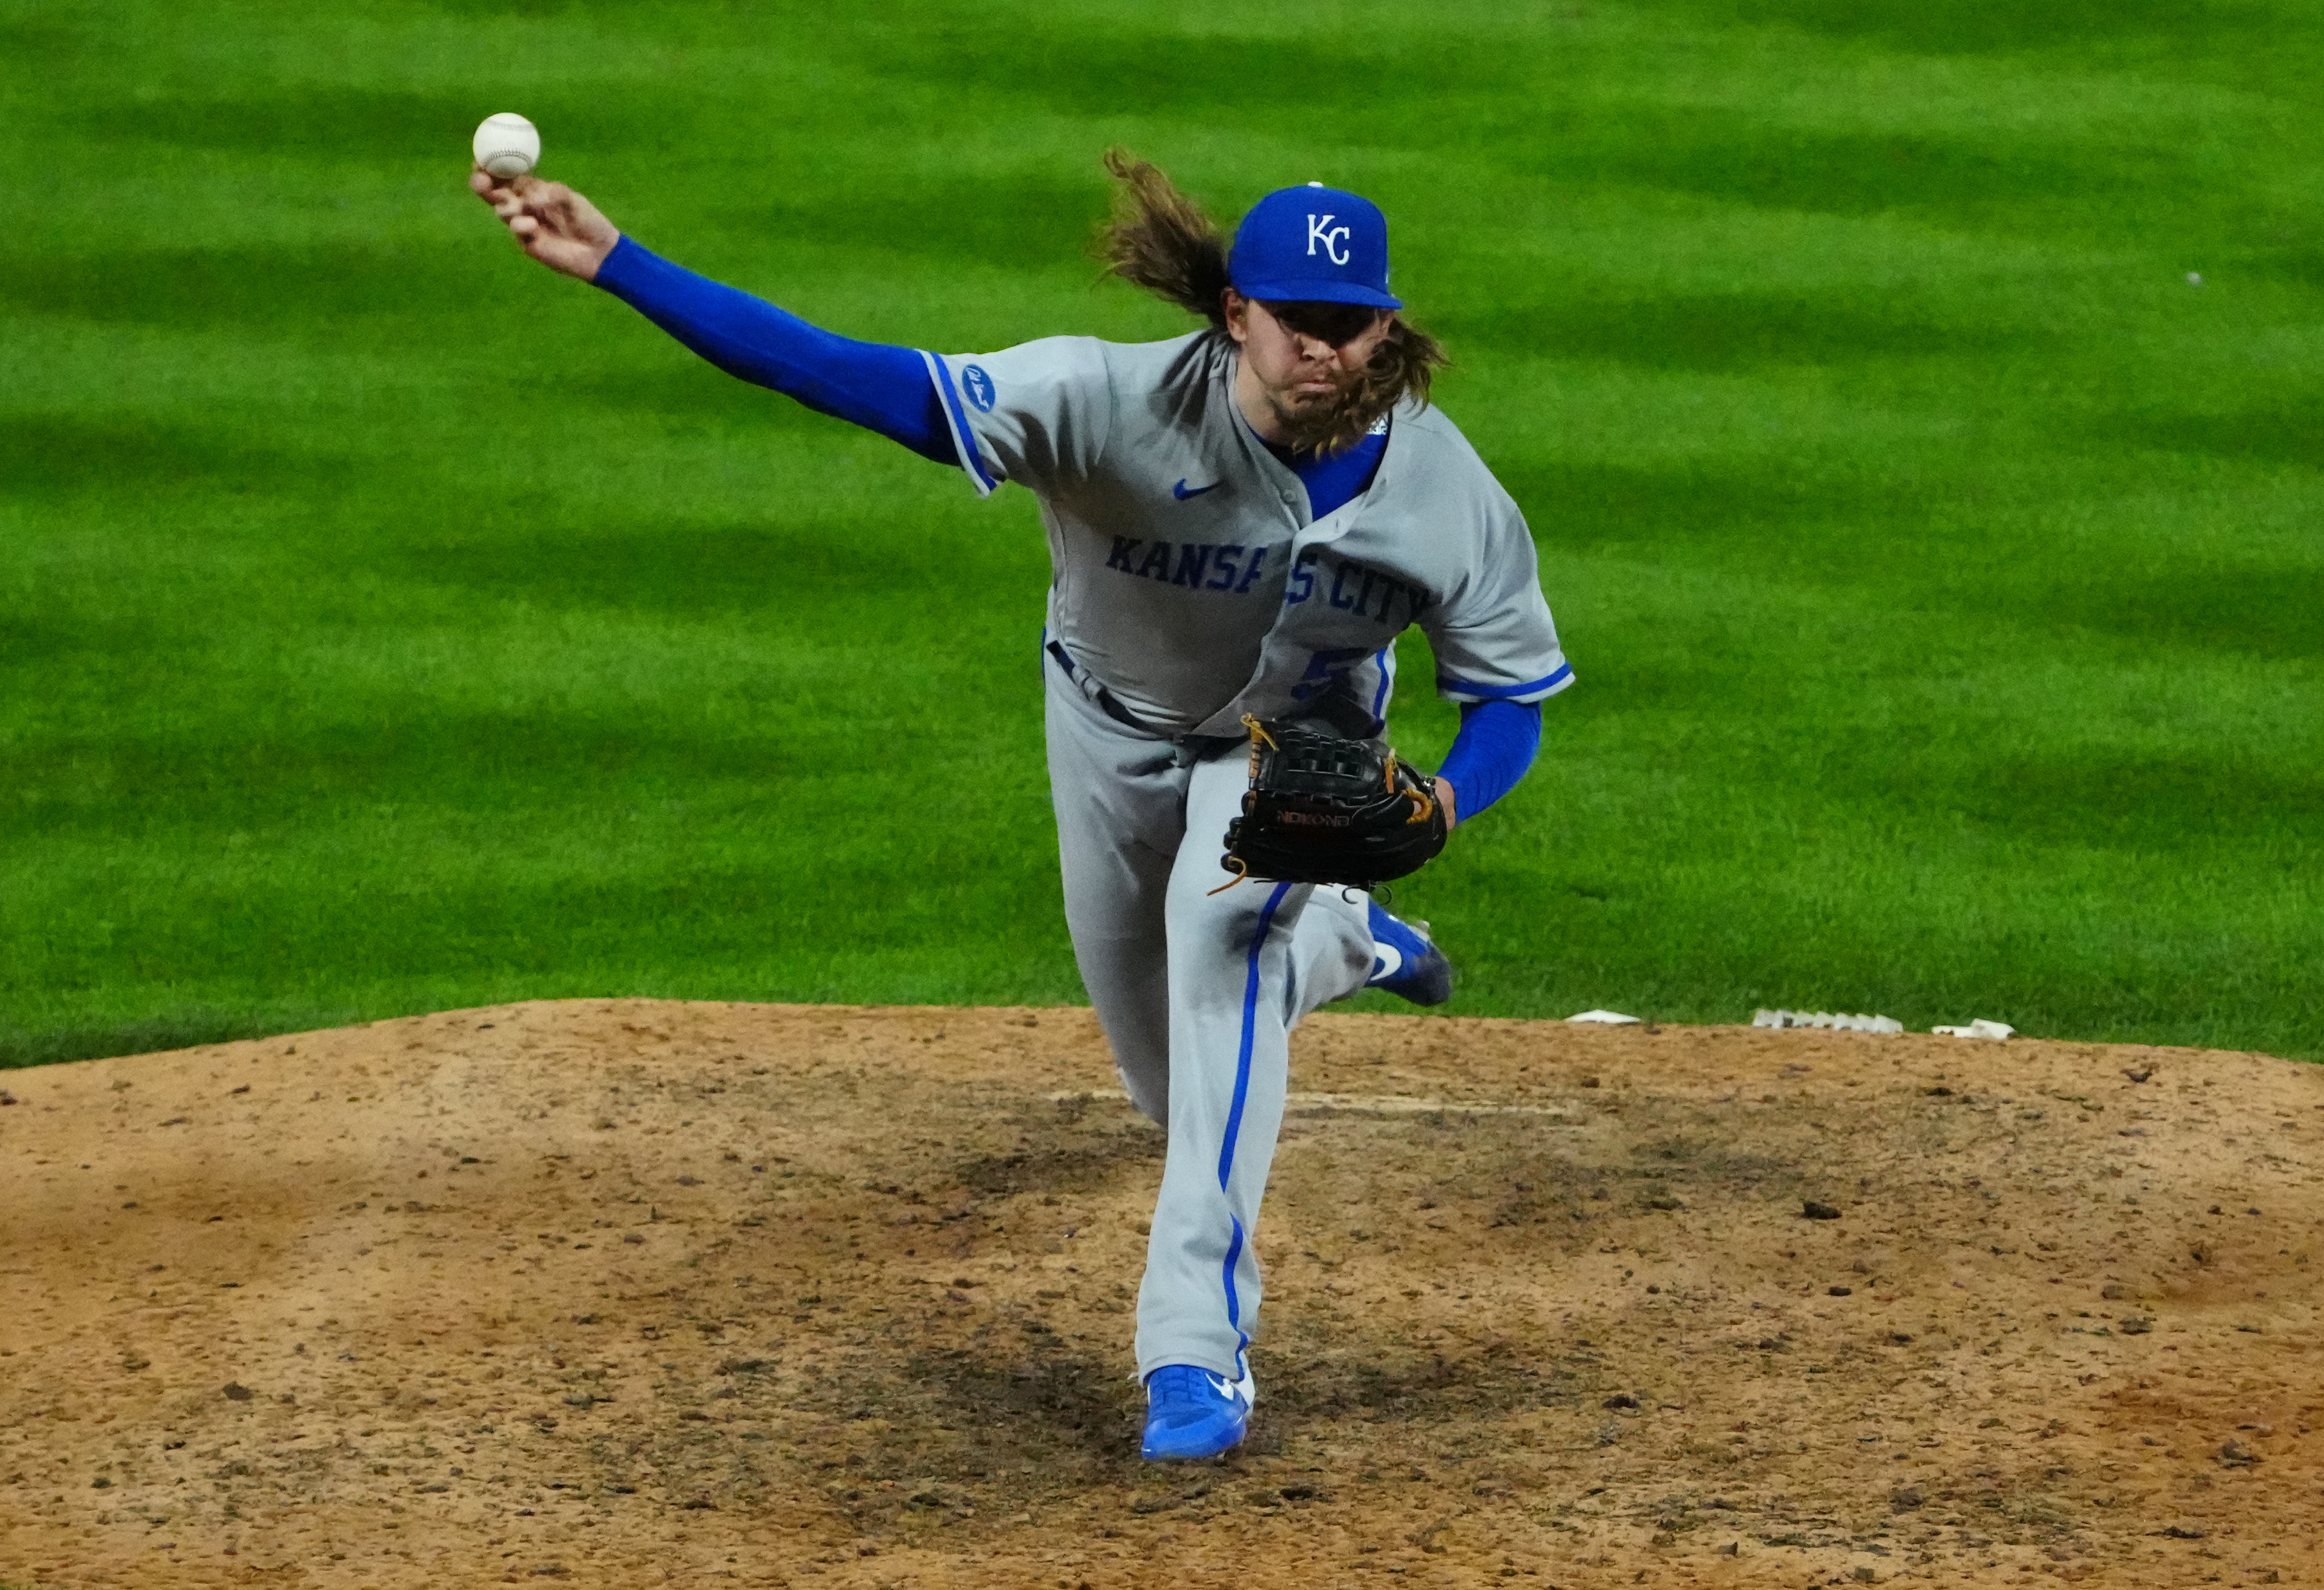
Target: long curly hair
{"x": 1159, "y": 239}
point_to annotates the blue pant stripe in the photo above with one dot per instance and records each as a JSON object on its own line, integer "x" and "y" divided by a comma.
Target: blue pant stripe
{"x": 1249, "y": 1028}
{"x": 1226, "y": 1271}
{"x": 1242, "y": 1091}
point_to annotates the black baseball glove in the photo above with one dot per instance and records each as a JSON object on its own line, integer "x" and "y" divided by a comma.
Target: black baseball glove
{"x": 1325, "y": 808}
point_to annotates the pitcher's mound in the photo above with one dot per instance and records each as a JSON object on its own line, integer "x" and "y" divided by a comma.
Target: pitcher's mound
{"x": 624, "y": 1293}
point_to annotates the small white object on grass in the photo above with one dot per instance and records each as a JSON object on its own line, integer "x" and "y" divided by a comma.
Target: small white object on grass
{"x": 1606, "y": 1018}
{"x": 1859, "y": 1023}
{"x": 507, "y": 145}
{"x": 1979, "y": 1028}
{"x": 2194, "y": 277}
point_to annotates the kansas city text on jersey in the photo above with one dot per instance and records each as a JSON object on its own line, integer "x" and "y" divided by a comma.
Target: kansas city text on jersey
{"x": 1231, "y": 566}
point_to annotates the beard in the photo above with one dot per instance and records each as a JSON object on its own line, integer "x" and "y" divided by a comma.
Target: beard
{"x": 1334, "y": 420}
{"x": 1400, "y": 370}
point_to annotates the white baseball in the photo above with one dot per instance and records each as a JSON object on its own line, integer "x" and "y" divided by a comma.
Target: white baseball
{"x": 507, "y": 145}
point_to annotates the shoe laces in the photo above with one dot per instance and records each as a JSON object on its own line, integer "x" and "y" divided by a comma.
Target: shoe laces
{"x": 1184, "y": 1388}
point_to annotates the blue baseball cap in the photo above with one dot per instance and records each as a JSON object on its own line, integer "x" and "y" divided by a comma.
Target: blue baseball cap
{"x": 1313, "y": 245}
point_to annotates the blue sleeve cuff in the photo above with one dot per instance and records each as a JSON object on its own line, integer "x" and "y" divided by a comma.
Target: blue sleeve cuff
{"x": 876, "y": 385}
{"x": 1532, "y": 691}
{"x": 1495, "y": 747}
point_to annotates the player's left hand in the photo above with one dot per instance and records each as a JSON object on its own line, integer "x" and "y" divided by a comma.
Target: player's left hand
{"x": 555, "y": 225}
{"x": 1444, "y": 798}
{"x": 1323, "y": 807}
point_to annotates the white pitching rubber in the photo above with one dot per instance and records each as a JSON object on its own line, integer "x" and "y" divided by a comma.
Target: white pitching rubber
{"x": 1826, "y": 1019}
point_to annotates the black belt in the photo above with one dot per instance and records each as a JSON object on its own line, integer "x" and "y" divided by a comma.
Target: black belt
{"x": 1104, "y": 698}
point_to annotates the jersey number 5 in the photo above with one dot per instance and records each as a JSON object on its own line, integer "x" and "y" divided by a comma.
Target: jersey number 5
{"x": 1327, "y": 669}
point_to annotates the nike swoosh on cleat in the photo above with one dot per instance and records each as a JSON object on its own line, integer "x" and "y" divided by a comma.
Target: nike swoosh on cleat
{"x": 1180, "y": 491}
{"x": 1224, "y": 1388}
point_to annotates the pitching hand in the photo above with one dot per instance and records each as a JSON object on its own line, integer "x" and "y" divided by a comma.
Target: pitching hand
{"x": 555, "y": 225}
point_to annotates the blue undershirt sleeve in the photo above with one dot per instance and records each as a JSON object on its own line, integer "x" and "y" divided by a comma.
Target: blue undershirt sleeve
{"x": 878, "y": 386}
{"x": 1496, "y": 743}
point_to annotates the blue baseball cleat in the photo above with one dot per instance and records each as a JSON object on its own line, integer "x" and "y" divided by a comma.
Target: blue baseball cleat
{"x": 1193, "y": 1413}
{"x": 1407, "y": 962}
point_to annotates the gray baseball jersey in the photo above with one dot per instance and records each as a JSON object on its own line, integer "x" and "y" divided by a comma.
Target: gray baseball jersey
{"x": 1188, "y": 578}
{"x": 1191, "y": 586}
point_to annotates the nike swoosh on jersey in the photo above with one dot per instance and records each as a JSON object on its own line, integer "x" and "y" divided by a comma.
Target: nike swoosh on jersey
{"x": 1180, "y": 491}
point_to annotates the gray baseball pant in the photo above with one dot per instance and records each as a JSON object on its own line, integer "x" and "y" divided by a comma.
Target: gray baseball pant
{"x": 1197, "y": 993}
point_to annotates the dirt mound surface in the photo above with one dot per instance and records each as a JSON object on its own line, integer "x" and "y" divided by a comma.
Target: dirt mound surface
{"x": 623, "y": 1293}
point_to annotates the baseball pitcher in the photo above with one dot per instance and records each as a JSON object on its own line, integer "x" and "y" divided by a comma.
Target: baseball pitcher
{"x": 1240, "y": 523}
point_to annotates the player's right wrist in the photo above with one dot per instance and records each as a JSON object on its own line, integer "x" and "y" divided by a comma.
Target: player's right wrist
{"x": 597, "y": 263}
{"x": 596, "y": 273}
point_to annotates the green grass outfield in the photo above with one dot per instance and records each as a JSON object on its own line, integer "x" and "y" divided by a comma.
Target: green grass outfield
{"x": 387, "y": 625}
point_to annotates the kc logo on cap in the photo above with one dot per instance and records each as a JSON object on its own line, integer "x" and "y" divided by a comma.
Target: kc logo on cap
{"x": 1313, "y": 245}
{"x": 1321, "y": 230}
